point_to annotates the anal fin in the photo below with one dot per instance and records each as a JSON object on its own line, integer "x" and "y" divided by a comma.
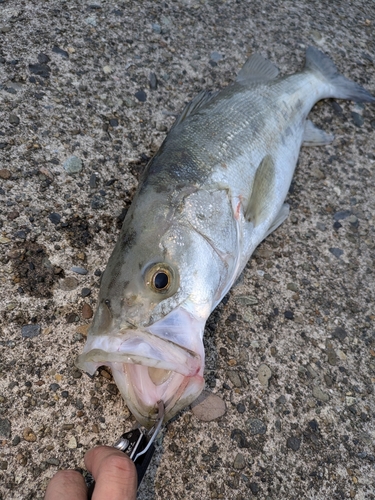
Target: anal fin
{"x": 279, "y": 219}
{"x": 314, "y": 136}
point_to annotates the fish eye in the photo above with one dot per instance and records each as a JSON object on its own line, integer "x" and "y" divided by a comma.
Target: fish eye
{"x": 159, "y": 278}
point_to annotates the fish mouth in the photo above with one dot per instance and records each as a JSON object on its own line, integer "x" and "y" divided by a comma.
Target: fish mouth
{"x": 148, "y": 367}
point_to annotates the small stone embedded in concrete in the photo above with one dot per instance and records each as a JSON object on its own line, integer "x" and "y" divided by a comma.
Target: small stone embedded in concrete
{"x": 53, "y": 461}
{"x": 73, "y": 165}
{"x": 239, "y": 437}
{"x": 234, "y": 378}
{"x": 153, "y": 81}
{"x": 319, "y": 394}
{"x": 5, "y": 174}
{"x": 337, "y": 252}
{"x": 339, "y": 333}
{"x": 54, "y": 218}
{"x": 30, "y": 331}
{"x": 256, "y": 426}
{"x": 87, "y": 311}
{"x": 208, "y": 407}
{"x": 29, "y": 435}
{"x": 5, "y": 427}
{"x": 85, "y": 292}
{"x": 293, "y": 443}
{"x": 61, "y": 52}
{"x": 69, "y": 283}
{"x": 254, "y": 487}
{"x": 264, "y": 375}
{"x": 79, "y": 270}
{"x": 239, "y": 462}
{"x": 357, "y": 119}
{"x": 141, "y": 95}
{"x": 215, "y": 56}
{"x": 289, "y": 315}
{"x": 72, "y": 443}
{"x": 14, "y": 120}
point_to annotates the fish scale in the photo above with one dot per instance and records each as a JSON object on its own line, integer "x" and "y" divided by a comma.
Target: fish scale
{"x": 212, "y": 193}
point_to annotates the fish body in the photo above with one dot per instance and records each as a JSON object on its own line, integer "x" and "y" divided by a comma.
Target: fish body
{"x": 212, "y": 193}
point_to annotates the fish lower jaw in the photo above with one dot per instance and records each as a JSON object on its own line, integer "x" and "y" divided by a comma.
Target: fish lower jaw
{"x": 141, "y": 394}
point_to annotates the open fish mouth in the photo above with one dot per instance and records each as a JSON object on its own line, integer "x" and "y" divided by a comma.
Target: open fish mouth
{"x": 147, "y": 369}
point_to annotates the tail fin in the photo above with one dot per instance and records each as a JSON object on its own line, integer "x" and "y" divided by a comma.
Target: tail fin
{"x": 342, "y": 88}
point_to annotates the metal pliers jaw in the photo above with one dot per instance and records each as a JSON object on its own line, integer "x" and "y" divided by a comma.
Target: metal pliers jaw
{"x": 138, "y": 444}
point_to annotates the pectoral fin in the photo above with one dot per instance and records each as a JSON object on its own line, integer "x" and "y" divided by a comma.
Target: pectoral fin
{"x": 314, "y": 136}
{"x": 261, "y": 193}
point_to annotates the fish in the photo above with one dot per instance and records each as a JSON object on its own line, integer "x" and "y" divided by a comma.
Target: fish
{"x": 214, "y": 190}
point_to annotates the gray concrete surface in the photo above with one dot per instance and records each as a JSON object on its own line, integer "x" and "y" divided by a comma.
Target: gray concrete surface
{"x": 304, "y": 306}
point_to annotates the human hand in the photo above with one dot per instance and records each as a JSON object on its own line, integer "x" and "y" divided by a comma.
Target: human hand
{"x": 114, "y": 473}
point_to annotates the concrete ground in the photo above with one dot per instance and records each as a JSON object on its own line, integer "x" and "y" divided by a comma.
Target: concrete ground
{"x": 75, "y": 81}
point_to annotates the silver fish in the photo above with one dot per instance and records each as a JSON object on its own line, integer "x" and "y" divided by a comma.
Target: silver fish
{"x": 212, "y": 193}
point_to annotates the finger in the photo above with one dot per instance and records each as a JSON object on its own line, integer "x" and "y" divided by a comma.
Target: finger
{"x": 66, "y": 485}
{"x": 114, "y": 473}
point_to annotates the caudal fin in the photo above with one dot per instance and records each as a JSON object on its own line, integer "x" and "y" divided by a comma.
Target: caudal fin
{"x": 342, "y": 88}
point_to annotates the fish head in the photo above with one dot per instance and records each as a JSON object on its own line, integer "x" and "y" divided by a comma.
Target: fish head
{"x": 156, "y": 294}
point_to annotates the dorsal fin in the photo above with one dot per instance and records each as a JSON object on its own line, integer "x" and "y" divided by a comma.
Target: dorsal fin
{"x": 198, "y": 102}
{"x": 257, "y": 69}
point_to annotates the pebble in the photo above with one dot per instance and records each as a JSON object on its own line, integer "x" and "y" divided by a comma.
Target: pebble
{"x": 85, "y": 292}
{"x": 54, "y": 218}
{"x": 339, "y": 333}
{"x": 153, "y": 81}
{"x": 5, "y": 174}
{"x": 264, "y": 375}
{"x": 319, "y": 394}
{"x": 141, "y": 95}
{"x": 30, "y": 331}
{"x": 53, "y": 461}
{"x": 292, "y": 286}
{"x": 246, "y": 300}
{"x": 91, "y": 21}
{"x": 215, "y": 56}
{"x": 73, "y": 165}
{"x": 69, "y": 283}
{"x": 107, "y": 70}
{"x": 254, "y": 487}
{"x": 156, "y": 28}
{"x": 289, "y": 315}
{"x": 238, "y": 437}
{"x": 234, "y": 378}
{"x": 5, "y": 427}
{"x": 72, "y": 318}
{"x": 341, "y": 215}
{"x": 337, "y": 252}
{"x": 42, "y": 70}
{"x": 87, "y": 311}
{"x": 332, "y": 357}
{"x": 29, "y": 435}
{"x": 14, "y": 120}
{"x": 293, "y": 443}
{"x": 357, "y": 119}
{"x": 54, "y": 387}
{"x": 256, "y": 426}
{"x": 61, "y": 52}
{"x": 239, "y": 462}
{"x": 16, "y": 440}
{"x": 79, "y": 270}
{"x": 208, "y": 407}
{"x": 72, "y": 443}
